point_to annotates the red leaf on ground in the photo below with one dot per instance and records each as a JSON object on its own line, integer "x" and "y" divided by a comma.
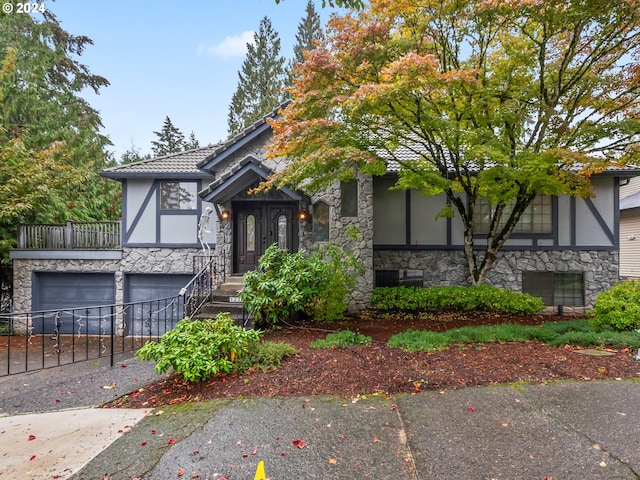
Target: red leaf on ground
{"x": 56, "y": 401}
{"x": 171, "y": 441}
{"x": 299, "y": 443}
{"x": 153, "y": 432}
{"x": 33, "y": 457}
{"x": 142, "y": 444}
{"x": 471, "y": 409}
{"x": 196, "y": 452}
{"x": 123, "y": 366}
{"x": 376, "y": 440}
{"x": 32, "y": 437}
{"x": 181, "y": 472}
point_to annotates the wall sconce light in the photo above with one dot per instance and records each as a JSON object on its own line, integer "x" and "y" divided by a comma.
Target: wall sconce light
{"x": 225, "y": 215}
{"x": 303, "y": 216}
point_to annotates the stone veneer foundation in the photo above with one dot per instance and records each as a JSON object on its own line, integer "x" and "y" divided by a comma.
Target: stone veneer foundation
{"x": 449, "y": 267}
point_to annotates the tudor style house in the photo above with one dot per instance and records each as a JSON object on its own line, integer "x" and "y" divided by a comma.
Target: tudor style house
{"x": 564, "y": 249}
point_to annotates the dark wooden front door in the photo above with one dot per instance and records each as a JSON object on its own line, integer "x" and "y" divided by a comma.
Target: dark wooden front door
{"x": 256, "y": 226}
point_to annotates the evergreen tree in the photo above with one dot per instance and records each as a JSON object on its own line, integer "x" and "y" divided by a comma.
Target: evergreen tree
{"x": 261, "y": 80}
{"x": 309, "y": 32}
{"x": 170, "y": 140}
{"x": 192, "y": 143}
{"x": 51, "y": 149}
{"x": 133, "y": 154}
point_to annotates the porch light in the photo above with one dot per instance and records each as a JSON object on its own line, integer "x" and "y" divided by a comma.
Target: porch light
{"x": 225, "y": 215}
{"x": 303, "y": 216}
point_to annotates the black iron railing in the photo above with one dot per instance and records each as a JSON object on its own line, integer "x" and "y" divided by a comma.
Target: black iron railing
{"x": 50, "y": 338}
{"x": 210, "y": 273}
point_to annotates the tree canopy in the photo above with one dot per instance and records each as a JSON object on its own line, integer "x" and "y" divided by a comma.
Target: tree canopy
{"x": 170, "y": 139}
{"x": 261, "y": 80}
{"x": 490, "y": 101}
{"x": 51, "y": 148}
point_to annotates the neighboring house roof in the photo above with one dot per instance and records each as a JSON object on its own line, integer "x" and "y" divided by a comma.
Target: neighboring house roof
{"x": 630, "y": 201}
{"x": 181, "y": 164}
{"x": 222, "y": 152}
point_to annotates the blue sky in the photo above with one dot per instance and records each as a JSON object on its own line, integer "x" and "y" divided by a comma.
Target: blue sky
{"x": 175, "y": 58}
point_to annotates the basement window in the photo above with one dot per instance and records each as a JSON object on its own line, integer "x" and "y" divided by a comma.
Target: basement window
{"x": 555, "y": 288}
{"x": 399, "y": 278}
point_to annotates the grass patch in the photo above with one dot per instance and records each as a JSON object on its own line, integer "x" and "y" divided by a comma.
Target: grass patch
{"x": 342, "y": 339}
{"x": 570, "y": 332}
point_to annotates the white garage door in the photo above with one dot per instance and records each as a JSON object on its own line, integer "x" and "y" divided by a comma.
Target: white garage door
{"x": 84, "y": 302}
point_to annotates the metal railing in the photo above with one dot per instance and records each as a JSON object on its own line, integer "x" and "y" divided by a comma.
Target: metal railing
{"x": 73, "y": 235}
{"x": 210, "y": 274}
{"x": 50, "y": 338}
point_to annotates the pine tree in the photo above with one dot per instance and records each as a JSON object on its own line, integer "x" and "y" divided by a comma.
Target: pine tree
{"x": 170, "y": 140}
{"x": 261, "y": 80}
{"x": 192, "y": 143}
{"x": 309, "y": 32}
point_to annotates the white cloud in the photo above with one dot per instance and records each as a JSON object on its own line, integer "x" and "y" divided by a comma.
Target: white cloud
{"x": 231, "y": 46}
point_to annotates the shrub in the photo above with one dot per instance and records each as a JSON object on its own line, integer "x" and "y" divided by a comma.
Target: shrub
{"x": 342, "y": 339}
{"x": 618, "y": 308}
{"x": 264, "y": 355}
{"x": 198, "y": 349}
{"x": 286, "y": 283}
{"x": 481, "y": 297}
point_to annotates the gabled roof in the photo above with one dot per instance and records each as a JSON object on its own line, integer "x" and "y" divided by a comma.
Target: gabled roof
{"x": 181, "y": 164}
{"x": 222, "y": 152}
{"x": 239, "y": 179}
{"x": 630, "y": 201}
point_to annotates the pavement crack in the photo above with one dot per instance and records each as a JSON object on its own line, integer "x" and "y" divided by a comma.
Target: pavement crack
{"x": 409, "y": 457}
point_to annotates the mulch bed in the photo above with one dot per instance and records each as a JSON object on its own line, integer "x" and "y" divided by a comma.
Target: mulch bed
{"x": 378, "y": 368}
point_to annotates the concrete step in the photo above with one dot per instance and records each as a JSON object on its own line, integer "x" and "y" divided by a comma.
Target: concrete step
{"x": 233, "y": 283}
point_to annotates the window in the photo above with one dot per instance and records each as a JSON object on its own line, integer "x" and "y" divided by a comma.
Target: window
{"x": 320, "y": 221}
{"x": 349, "y": 198}
{"x": 537, "y": 218}
{"x": 555, "y": 288}
{"x": 282, "y": 232}
{"x": 178, "y": 195}
{"x": 396, "y": 278}
{"x": 251, "y": 233}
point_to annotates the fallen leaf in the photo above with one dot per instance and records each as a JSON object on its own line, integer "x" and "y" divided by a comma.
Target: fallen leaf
{"x": 376, "y": 440}
{"x": 171, "y": 441}
{"x": 254, "y": 451}
{"x": 299, "y": 443}
{"x": 471, "y": 409}
{"x": 333, "y": 461}
{"x": 33, "y": 457}
{"x": 142, "y": 444}
{"x": 56, "y": 401}
{"x": 194, "y": 475}
{"x": 153, "y": 432}
{"x": 181, "y": 472}
{"x": 196, "y": 452}
{"x": 32, "y": 437}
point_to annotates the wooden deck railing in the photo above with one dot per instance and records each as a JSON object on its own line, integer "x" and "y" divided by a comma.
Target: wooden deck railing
{"x": 73, "y": 235}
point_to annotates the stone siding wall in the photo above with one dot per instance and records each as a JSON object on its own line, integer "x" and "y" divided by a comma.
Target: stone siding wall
{"x": 134, "y": 260}
{"x": 449, "y": 267}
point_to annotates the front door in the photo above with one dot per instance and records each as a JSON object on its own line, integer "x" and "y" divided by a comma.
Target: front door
{"x": 256, "y": 226}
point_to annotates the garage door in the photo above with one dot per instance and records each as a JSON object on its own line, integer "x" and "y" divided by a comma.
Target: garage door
{"x": 77, "y": 297}
{"x": 155, "y": 306}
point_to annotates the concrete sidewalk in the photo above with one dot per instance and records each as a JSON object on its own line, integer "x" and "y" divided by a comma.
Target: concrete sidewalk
{"x": 564, "y": 430}
{"x": 569, "y": 430}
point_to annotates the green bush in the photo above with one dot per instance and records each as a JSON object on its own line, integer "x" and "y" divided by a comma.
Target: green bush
{"x": 286, "y": 283}
{"x": 342, "y": 339}
{"x": 457, "y": 298}
{"x": 264, "y": 355}
{"x": 198, "y": 349}
{"x": 618, "y": 308}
